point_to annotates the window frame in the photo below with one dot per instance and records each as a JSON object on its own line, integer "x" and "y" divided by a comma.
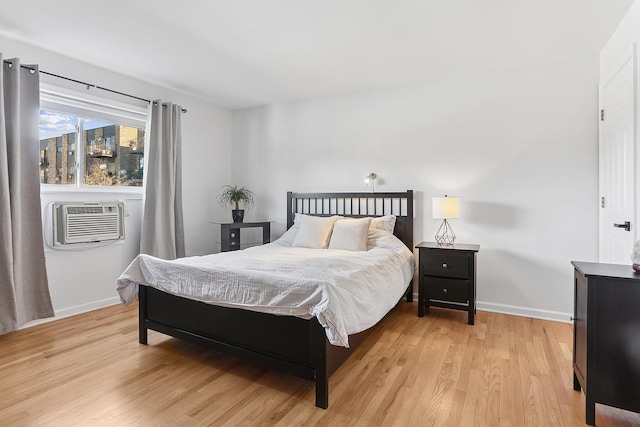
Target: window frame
{"x": 63, "y": 100}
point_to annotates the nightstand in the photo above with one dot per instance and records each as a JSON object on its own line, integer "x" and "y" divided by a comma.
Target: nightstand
{"x": 230, "y": 234}
{"x": 447, "y": 277}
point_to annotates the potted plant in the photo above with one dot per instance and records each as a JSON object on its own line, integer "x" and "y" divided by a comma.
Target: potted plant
{"x": 233, "y": 195}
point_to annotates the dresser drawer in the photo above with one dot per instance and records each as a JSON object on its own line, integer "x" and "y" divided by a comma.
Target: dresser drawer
{"x": 448, "y": 290}
{"x": 445, "y": 265}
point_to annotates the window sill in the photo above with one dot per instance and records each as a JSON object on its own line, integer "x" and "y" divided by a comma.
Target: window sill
{"x": 133, "y": 192}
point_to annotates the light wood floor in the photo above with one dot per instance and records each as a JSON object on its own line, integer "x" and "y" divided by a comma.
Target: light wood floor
{"x": 90, "y": 370}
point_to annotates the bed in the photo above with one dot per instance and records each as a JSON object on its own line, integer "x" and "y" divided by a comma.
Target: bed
{"x": 296, "y": 345}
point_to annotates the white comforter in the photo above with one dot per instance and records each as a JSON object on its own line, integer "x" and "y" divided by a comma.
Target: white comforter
{"x": 347, "y": 291}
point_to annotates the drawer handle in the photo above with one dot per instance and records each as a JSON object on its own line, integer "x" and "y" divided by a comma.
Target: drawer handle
{"x": 444, "y": 290}
{"x": 444, "y": 265}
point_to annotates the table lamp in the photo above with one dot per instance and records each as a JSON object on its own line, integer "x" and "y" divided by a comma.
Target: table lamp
{"x": 445, "y": 208}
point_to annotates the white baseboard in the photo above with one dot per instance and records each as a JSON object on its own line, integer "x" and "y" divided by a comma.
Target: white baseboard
{"x": 72, "y": 311}
{"x": 483, "y": 306}
{"x": 514, "y": 310}
{"x": 524, "y": 311}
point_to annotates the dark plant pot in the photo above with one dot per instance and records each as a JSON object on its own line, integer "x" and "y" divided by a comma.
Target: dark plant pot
{"x": 237, "y": 214}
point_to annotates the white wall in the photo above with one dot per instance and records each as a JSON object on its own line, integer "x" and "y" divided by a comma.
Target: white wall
{"x": 620, "y": 44}
{"x": 85, "y": 280}
{"x": 519, "y": 147}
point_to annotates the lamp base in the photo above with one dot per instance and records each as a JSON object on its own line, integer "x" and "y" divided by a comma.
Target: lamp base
{"x": 445, "y": 235}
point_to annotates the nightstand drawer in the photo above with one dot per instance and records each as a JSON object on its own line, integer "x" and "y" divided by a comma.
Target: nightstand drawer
{"x": 445, "y": 265}
{"x": 448, "y": 290}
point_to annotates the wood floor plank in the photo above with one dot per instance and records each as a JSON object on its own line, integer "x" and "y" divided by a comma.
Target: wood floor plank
{"x": 90, "y": 370}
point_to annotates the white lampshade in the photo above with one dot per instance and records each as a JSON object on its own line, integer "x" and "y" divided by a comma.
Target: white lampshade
{"x": 446, "y": 207}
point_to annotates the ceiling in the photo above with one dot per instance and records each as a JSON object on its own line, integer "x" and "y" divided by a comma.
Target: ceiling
{"x": 243, "y": 53}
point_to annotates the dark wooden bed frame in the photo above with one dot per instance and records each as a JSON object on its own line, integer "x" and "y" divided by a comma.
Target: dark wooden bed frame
{"x": 291, "y": 344}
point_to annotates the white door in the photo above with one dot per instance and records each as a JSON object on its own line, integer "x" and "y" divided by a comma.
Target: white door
{"x": 617, "y": 188}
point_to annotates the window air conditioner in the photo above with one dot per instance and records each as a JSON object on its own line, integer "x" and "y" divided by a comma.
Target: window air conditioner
{"x": 87, "y": 222}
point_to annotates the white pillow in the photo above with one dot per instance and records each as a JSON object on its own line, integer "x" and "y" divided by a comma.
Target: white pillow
{"x": 314, "y": 231}
{"x": 350, "y": 234}
{"x": 386, "y": 223}
{"x": 288, "y": 236}
{"x": 382, "y": 239}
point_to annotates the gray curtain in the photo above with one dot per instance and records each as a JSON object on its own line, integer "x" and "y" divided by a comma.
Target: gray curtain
{"x": 24, "y": 291}
{"x": 162, "y": 226}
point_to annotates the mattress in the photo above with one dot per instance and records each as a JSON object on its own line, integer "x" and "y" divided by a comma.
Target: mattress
{"x": 348, "y": 291}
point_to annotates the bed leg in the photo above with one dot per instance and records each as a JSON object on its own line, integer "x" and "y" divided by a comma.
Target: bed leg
{"x": 410, "y": 292}
{"x": 142, "y": 314}
{"x": 142, "y": 334}
{"x": 322, "y": 391}
{"x": 319, "y": 343}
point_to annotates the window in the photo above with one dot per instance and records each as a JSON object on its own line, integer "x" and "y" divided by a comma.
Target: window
{"x": 87, "y": 141}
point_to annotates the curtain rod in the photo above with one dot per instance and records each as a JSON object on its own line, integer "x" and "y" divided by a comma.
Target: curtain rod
{"x": 184, "y": 110}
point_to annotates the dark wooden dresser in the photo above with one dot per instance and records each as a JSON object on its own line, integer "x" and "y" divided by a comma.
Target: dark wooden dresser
{"x": 606, "y": 336}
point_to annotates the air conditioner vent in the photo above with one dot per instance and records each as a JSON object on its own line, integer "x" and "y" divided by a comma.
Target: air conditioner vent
{"x": 77, "y": 210}
{"x": 87, "y": 222}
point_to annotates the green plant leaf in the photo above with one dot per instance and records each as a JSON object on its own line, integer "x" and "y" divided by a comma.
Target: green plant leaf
{"x": 234, "y": 195}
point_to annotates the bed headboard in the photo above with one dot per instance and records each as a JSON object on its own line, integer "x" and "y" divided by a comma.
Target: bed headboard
{"x": 357, "y": 205}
